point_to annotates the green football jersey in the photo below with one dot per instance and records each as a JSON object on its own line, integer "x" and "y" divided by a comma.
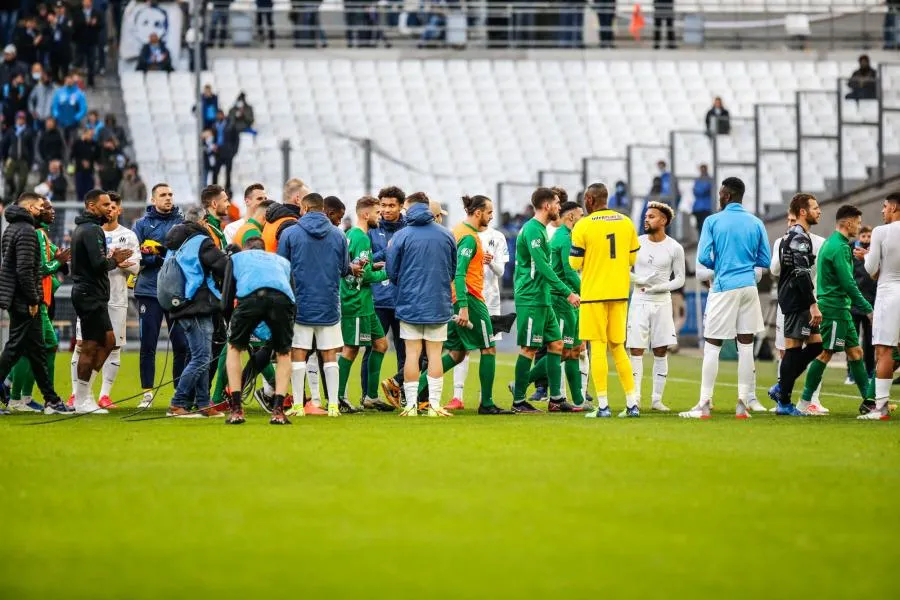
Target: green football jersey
{"x": 534, "y": 280}
{"x": 836, "y": 287}
{"x": 560, "y": 246}
{"x": 356, "y": 292}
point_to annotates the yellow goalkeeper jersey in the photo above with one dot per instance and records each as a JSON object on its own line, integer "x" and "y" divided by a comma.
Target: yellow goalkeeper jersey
{"x": 604, "y": 247}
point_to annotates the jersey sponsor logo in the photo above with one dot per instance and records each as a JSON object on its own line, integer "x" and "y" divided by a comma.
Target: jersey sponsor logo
{"x": 537, "y": 339}
{"x": 535, "y": 243}
{"x": 568, "y": 340}
{"x": 615, "y": 217}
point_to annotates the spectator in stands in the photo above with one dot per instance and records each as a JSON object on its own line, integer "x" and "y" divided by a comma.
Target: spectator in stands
{"x": 218, "y": 24}
{"x": 436, "y": 23}
{"x": 11, "y": 65}
{"x": 56, "y": 181}
{"x": 14, "y": 97}
{"x": 112, "y": 129}
{"x": 84, "y": 157}
{"x": 619, "y": 200}
{"x": 110, "y": 164}
{"x": 95, "y": 125}
{"x": 663, "y": 15}
{"x": 132, "y": 188}
{"x": 17, "y": 156}
{"x": 571, "y": 24}
{"x": 51, "y": 145}
{"x": 86, "y": 34}
{"x": 868, "y": 287}
{"x": 9, "y": 12}
{"x": 61, "y": 42}
{"x": 208, "y": 138}
{"x": 718, "y": 120}
{"x": 668, "y": 185}
{"x": 40, "y": 101}
{"x": 863, "y": 82}
{"x": 154, "y": 56}
{"x": 606, "y": 14}
{"x": 241, "y": 115}
{"x": 264, "y": 14}
{"x": 308, "y": 30}
{"x": 30, "y": 42}
{"x": 209, "y": 106}
{"x": 890, "y": 24}
{"x": 69, "y": 108}
{"x": 703, "y": 201}
{"x": 227, "y": 140}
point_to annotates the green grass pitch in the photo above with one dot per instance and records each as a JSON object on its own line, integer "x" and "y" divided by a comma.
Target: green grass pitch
{"x": 374, "y": 506}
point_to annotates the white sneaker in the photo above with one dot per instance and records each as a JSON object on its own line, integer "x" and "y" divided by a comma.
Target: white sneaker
{"x": 147, "y": 401}
{"x": 698, "y": 412}
{"x": 22, "y": 406}
{"x": 660, "y": 407}
{"x": 90, "y": 408}
{"x": 849, "y": 381}
{"x": 741, "y": 411}
{"x": 878, "y": 414}
{"x": 817, "y": 409}
{"x": 756, "y": 406}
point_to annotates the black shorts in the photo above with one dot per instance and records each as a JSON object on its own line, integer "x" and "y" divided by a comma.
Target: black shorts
{"x": 797, "y": 327}
{"x": 95, "y": 321}
{"x": 269, "y": 306}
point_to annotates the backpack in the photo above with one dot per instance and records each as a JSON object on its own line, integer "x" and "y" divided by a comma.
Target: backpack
{"x": 171, "y": 284}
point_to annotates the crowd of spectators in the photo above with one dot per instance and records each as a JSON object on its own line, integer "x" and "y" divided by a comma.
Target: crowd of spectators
{"x": 221, "y": 134}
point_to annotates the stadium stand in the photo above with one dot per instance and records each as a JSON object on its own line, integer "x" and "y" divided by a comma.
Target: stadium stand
{"x": 461, "y": 126}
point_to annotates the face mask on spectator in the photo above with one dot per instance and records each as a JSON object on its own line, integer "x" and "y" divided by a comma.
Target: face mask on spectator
{"x": 36, "y": 76}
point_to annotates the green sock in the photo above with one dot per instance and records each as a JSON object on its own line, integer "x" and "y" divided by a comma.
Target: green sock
{"x": 447, "y": 363}
{"x": 523, "y": 366}
{"x": 221, "y": 377}
{"x": 17, "y": 376}
{"x": 486, "y": 369}
{"x": 539, "y": 371}
{"x": 268, "y": 374}
{"x": 870, "y": 389}
{"x": 860, "y": 377}
{"x": 813, "y": 378}
{"x": 554, "y": 374}
{"x": 573, "y": 376}
{"x": 343, "y": 375}
{"x": 375, "y": 359}
{"x": 28, "y": 380}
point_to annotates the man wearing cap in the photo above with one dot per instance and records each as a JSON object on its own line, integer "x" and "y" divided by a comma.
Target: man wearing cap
{"x": 17, "y": 155}
{"x": 11, "y": 65}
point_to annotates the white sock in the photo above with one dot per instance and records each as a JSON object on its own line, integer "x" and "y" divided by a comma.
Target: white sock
{"x": 815, "y": 396}
{"x": 602, "y": 402}
{"x": 882, "y": 392}
{"x": 332, "y": 376}
{"x": 312, "y": 373}
{"x": 82, "y": 394}
{"x": 298, "y": 377}
{"x": 268, "y": 390}
{"x": 660, "y": 372}
{"x": 632, "y": 399}
{"x": 74, "y": 364}
{"x": 460, "y": 372}
{"x": 411, "y": 393}
{"x": 584, "y": 365}
{"x": 110, "y": 370}
{"x": 778, "y": 362}
{"x": 637, "y": 370}
{"x": 435, "y": 391}
{"x": 91, "y": 384}
{"x": 746, "y": 371}
{"x": 709, "y": 372}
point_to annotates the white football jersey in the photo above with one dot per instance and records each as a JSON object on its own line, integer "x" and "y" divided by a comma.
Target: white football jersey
{"x": 658, "y": 271}
{"x": 884, "y": 257}
{"x": 122, "y": 237}
{"x": 231, "y": 229}
{"x": 494, "y": 242}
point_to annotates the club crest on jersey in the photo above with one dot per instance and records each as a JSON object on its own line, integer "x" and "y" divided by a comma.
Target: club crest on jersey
{"x": 467, "y": 252}
{"x": 536, "y": 243}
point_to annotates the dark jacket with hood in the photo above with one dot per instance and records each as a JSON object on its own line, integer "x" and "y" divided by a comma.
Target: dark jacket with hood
{"x": 90, "y": 263}
{"x": 213, "y": 260}
{"x": 421, "y": 262}
{"x": 865, "y": 283}
{"x": 153, "y": 226}
{"x": 317, "y": 251}
{"x": 384, "y": 293}
{"x": 20, "y": 279}
{"x": 279, "y": 211}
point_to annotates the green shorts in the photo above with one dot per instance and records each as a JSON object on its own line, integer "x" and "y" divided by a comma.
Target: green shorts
{"x": 537, "y": 326}
{"x": 361, "y": 331}
{"x": 476, "y": 338}
{"x": 567, "y": 317}
{"x": 51, "y": 342}
{"x": 838, "y": 334}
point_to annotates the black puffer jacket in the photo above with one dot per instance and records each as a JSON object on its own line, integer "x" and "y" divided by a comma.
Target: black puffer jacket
{"x": 213, "y": 260}
{"x": 90, "y": 263}
{"x": 20, "y": 279}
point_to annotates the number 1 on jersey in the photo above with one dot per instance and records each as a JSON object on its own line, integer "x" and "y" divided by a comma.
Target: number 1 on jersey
{"x": 612, "y": 245}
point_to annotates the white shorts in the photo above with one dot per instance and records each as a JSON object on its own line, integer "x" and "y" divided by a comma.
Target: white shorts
{"x": 886, "y": 320}
{"x": 327, "y": 337}
{"x": 779, "y": 329}
{"x": 118, "y": 315}
{"x": 650, "y": 325}
{"x": 429, "y": 333}
{"x": 733, "y": 313}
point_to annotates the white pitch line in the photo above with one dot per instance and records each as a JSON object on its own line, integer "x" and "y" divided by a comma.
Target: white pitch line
{"x": 501, "y": 361}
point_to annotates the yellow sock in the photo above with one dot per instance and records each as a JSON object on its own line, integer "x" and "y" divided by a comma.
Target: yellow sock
{"x": 599, "y": 369}
{"x": 623, "y": 367}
